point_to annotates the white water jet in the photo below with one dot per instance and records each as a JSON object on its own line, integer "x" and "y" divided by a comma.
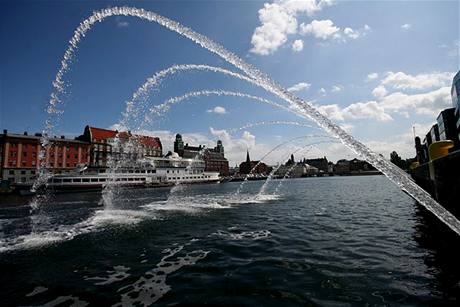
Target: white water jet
{"x": 302, "y": 108}
{"x": 162, "y": 108}
{"x": 141, "y": 95}
{"x": 240, "y": 188}
{"x": 266, "y": 123}
{"x": 272, "y": 173}
{"x": 284, "y": 178}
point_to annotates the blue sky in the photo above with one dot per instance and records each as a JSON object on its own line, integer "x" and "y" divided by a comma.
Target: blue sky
{"x": 377, "y": 68}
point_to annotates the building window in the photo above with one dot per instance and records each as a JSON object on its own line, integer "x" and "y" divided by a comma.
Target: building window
{"x": 23, "y": 172}
{"x": 11, "y": 172}
{"x": 11, "y": 179}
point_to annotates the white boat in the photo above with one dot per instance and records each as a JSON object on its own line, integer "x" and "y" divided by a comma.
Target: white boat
{"x": 147, "y": 172}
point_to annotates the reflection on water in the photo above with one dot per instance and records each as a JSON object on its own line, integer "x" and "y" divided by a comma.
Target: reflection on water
{"x": 326, "y": 241}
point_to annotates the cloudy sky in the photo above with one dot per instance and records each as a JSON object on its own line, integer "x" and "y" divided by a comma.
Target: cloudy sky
{"x": 377, "y": 68}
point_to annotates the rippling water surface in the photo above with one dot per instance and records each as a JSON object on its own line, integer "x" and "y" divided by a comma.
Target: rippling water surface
{"x": 321, "y": 241}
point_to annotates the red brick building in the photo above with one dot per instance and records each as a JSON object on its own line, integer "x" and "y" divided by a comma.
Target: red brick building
{"x": 214, "y": 158}
{"x": 19, "y": 155}
{"x": 103, "y": 144}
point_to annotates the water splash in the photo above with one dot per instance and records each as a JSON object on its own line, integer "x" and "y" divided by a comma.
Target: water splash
{"x": 299, "y": 106}
{"x": 173, "y": 197}
{"x": 240, "y": 188}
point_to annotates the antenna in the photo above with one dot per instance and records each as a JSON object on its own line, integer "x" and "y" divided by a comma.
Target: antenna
{"x": 413, "y": 129}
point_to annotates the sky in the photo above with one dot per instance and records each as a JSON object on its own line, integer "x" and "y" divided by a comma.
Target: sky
{"x": 377, "y": 68}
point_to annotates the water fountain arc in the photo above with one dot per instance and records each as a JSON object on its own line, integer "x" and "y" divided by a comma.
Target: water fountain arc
{"x": 274, "y": 122}
{"x": 300, "y": 107}
{"x": 272, "y": 173}
{"x": 240, "y": 188}
{"x": 156, "y": 78}
{"x": 163, "y": 107}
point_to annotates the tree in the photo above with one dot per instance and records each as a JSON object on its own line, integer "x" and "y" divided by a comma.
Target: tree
{"x": 396, "y": 160}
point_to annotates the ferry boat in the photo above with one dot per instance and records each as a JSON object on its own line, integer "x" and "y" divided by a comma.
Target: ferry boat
{"x": 147, "y": 172}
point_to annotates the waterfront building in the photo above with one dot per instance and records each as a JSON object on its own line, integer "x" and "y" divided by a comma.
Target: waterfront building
{"x": 246, "y": 166}
{"x": 342, "y": 167}
{"x": 104, "y": 143}
{"x": 447, "y": 126}
{"x": 19, "y": 156}
{"x": 320, "y": 163}
{"x": 214, "y": 158}
{"x": 434, "y": 132}
{"x": 295, "y": 170}
{"x": 421, "y": 151}
{"x": 455, "y": 93}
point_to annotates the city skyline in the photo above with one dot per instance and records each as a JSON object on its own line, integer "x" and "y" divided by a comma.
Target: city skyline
{"x": 376, "y": 74}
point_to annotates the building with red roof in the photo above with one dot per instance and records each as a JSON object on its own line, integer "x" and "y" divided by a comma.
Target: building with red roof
{"x": 104, "y": 142}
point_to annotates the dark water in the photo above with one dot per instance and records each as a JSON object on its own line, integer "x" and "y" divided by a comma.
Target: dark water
{"x": 339, "y": 241}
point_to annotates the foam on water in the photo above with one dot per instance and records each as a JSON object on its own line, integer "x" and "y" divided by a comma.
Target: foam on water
{"x": 69, "y": 300}
{"x": 37, "y": 290}
{"x": 242, "y": 235}
{"x": 152, "y": 286}
{"x": 100, "y": 220}
{"x": 118, "y": 273}
{"x": 298, "y": 106}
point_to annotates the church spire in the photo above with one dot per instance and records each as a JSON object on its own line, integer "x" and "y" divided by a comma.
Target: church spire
{"x": 247, "y": 156}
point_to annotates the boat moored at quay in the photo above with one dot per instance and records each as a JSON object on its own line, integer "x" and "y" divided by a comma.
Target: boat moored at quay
{"x": 147, "y": 172}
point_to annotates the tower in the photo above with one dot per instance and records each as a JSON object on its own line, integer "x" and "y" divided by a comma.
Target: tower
{"x": 248, "y": 160}
{"x": 179, "y": 145}
{"x": 219, "y": 148}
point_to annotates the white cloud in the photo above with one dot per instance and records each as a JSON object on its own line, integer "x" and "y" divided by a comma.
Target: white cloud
{"x": 353, "y": 34}
{"x": 217, "y": 110}
{"x": 347, "y": 127}
{"x": 278, "y": 20}
{"x": 323, "y": 29}
{"x": 366, "y": 110}
{"x": 360, "y": 110}
{"x": 322, "y": 91}
{"x": 372, "y": 76}
{"x": 336, "y": 88}
{"x": 401, "y": 80}
{"x": 332, "y": 111}
{"x": 297, "y": 45}
{"x": 380, "y": 91}
{"x": 299, "y": 87}
{"x": 429, "y": 103}
{"x": 276, "y": 24}
{"x": 406, "y": 26}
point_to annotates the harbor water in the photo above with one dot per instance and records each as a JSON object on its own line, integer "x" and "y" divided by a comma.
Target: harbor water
{"x": 332, "y": 241}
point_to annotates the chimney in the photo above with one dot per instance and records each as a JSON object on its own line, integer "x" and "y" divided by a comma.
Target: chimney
{"x": 62, "y": 137}
{"x": 25, "y": 132}
{"x": 5, "y": 131}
